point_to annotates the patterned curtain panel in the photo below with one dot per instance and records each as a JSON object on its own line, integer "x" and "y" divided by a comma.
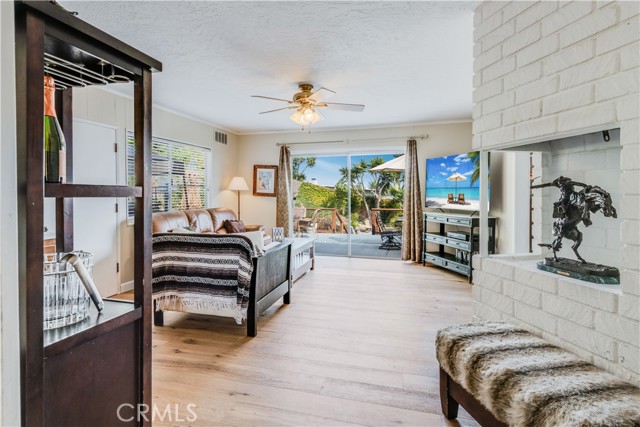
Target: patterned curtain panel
{"x": 412, "y": 224}
{"x": 283, "y": 198}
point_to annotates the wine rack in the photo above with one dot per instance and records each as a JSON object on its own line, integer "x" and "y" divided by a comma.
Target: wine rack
{"x": 78, "y": 374}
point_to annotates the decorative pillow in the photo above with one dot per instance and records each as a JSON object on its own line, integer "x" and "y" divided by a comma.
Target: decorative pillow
{"x": 183, "y": 230}
{"x": 234, "y": 226}
{"x": 257, "y": 239}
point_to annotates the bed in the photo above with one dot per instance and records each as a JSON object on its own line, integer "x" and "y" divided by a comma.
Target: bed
{"x": 218, "y": 274}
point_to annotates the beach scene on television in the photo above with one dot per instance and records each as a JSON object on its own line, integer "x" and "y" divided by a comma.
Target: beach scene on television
{"x": 453, "y": 182}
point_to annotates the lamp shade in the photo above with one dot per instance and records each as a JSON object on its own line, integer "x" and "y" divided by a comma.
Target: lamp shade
{"x": 238, "y": 184}
{"x": 305, "y": 116}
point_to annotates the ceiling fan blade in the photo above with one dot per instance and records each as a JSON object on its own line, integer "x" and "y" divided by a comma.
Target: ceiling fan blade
{"x": 320, "y": 94}
{"x": 279, "y": 109}
{"x": 344, "y": 107}
{"x": 275, "y": 99}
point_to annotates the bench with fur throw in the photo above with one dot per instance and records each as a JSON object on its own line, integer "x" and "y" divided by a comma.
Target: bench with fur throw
{"x": 506, "y": 376}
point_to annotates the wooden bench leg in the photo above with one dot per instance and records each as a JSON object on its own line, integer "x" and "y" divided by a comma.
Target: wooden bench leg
{"x": 158, "y": 316}
{"x": 449, "y": 404}
{"x": 449, "y": 388}
{"x": 252, "y": 320}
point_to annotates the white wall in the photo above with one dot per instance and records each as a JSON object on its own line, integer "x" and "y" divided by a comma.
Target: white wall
{"x": 545, "y": 71}
{"x": 9, "y": 319}
{"x": 509, "y": 200}
{"x": 104, "y": 107}
{"x": 443, "y": 139}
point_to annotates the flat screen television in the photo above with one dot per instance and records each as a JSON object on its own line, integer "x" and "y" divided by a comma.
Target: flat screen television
{"x": 453, "y": 182}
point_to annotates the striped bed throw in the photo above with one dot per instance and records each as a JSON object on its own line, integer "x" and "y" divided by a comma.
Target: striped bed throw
{"x": 202, "y": 273}
{"x": 527, "y": 382}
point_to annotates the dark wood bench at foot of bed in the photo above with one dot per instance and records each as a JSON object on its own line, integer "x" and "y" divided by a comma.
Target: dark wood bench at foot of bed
{"x": 270, "y": 281}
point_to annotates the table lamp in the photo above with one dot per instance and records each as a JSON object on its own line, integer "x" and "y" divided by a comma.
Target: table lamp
{"x": 238, "y": 184}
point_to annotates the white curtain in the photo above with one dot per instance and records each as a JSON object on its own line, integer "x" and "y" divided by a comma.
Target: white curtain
{"x": 283, "y": 197}
{"x": 412, "y": 224}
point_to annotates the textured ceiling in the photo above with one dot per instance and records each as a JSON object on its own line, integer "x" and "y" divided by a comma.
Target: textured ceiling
{"x": 408, "y": 62}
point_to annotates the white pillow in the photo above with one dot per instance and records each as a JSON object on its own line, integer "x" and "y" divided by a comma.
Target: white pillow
{"x": 256, "y": 238}
{"x": 182, "y": 230}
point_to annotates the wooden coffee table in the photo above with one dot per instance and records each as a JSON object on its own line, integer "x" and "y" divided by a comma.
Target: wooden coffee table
{"x": 302, "y": 256}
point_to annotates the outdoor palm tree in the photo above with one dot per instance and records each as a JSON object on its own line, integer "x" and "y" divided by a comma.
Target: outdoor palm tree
{"x": 358, "y": 171}
{"x": 298, "y": 162}
{"x": 380, "y": 184}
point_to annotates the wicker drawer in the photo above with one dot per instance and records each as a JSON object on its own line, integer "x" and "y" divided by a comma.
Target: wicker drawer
{"x": 459, "y": 221}
{"x": 433, "y": 238}
{"x": 435, "y": 260}
{"x": 458, "y": 244}
{"x": 435, "y": 218}
{"x": 458, "y": 267}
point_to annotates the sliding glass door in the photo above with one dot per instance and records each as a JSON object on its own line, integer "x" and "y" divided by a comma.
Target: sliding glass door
{"x": 351, "y": 204}
{"x": 320, "y": 207}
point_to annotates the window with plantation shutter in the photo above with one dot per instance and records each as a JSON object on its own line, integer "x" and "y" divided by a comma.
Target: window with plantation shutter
{"x": 178, "y": 175}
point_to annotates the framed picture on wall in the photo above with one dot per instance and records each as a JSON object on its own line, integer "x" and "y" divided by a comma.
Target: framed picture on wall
{"x": 265, "y": 180}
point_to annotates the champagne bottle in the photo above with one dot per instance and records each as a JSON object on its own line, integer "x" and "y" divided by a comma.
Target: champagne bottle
{"x": 55, "y": 154}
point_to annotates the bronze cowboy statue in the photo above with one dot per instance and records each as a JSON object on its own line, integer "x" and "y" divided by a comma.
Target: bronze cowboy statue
{"x": 574, "y": 207}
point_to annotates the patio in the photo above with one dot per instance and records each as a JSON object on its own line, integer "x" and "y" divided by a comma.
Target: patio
{"x": 362, "y": 245}
{"x": 330, "y": 228}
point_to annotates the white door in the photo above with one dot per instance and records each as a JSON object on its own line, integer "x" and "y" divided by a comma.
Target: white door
{"x": 95, "y": 220}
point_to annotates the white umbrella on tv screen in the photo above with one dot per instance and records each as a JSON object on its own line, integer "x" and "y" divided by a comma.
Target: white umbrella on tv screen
{"x": 456, "y": 177}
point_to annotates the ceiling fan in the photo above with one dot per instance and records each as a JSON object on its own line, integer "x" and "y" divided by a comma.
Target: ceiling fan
{"x": 306, "y": 102}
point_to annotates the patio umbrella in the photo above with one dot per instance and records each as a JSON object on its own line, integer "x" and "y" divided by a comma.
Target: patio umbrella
{"x": 393, "y": 165}
{"x": 457, "y": 177}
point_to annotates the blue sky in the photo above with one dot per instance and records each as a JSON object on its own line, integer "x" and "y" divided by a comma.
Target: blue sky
{"x": 327, "y": 169}
{"x": 440, "y": 168}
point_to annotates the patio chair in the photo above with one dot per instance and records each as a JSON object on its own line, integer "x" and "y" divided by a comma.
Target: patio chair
{"x": 461, "y": 199}
{"x": 450, "y": 198}
{"x": 391, "y": 237}
{"x": 307, "y": 225}
{"x": 344, "y": 223}
{"x": 299, "y": 213}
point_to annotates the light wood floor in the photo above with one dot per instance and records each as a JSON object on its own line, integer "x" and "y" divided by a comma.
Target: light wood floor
{"x": 355, "y": 347}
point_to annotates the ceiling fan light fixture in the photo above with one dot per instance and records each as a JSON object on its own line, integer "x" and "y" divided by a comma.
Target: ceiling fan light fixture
{"x": 297, "y": 118}
{"x": 306, "y": 103}
{"x": 309, "y": 115}
{"x": 305, "y": 116}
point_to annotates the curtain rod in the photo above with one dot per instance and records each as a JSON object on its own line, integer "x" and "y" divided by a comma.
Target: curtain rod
{"x": 347, "y": 141}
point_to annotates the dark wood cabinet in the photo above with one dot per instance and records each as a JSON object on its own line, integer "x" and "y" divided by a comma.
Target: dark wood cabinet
{"x": 78, "y": 375}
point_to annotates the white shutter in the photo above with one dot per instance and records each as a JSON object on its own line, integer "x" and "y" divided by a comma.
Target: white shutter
{"x": 179, "y": 174}
{"x": 131, "y": 179}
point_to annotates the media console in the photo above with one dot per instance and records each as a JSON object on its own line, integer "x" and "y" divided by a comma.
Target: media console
{"x": 456, "y": 238}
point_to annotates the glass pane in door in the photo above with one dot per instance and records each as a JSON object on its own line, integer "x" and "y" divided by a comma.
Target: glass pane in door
{"x": 320, "y": 207}
{"x": 377, "y": 189}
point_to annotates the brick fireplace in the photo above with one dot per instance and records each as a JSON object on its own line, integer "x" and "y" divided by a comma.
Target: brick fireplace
{"x": 560, "y": 73}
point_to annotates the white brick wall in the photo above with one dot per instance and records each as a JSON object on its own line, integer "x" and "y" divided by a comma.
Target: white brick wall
{"x": 545, "y": 70}
{"x": 589, "y": 159}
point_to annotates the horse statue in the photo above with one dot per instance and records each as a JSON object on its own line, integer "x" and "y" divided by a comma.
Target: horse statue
{"x": 574, "y": 207}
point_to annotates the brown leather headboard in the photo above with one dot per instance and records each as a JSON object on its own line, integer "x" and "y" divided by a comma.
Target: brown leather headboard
{"x": 164, "y": 222}
{"x": 200, "y": 220}
{"x": 219, "y": 216}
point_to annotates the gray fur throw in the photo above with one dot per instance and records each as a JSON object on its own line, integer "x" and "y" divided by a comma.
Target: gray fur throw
{"x": 527, "y": 382}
